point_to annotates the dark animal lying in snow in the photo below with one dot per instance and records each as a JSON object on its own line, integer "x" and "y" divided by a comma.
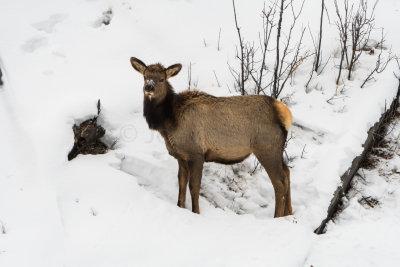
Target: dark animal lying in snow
{"x": 87, "y": 136}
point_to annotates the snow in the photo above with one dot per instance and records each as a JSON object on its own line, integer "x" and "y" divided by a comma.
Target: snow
{"x": 367, "y": 229}
{"x": 119, "y": 209}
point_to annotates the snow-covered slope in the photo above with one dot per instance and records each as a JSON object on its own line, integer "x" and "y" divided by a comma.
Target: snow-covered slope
{"x": 367, "y": 229}
{"x": 119, "y": 209}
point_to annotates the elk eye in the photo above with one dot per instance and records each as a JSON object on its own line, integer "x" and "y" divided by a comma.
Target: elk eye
{"x": 161, "y": 80}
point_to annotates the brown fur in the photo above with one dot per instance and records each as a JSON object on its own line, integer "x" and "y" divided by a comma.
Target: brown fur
{"x": 198, "y": 127}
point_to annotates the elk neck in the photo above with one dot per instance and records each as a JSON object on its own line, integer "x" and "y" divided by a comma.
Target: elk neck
{"x": 160, "y": 114}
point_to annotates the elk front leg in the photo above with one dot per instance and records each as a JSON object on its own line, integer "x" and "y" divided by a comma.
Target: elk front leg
{"x": 195, "y": 170}
{"x": 183, "y": 178}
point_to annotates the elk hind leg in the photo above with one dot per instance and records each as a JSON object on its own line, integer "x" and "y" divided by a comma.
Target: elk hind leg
{"x": 195, "y": 170}
{"x": 288, "y": 204}
{"x": 279, "y": 180}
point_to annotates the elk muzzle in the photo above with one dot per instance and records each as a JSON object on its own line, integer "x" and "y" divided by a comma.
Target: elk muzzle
{"x": 149, "y": 88}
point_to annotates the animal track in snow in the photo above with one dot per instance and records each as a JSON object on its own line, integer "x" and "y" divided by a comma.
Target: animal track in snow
{"x": 48, "y": 25}
{"x": 105, "y": 19}
{"x": 240, "y": 192}
{"x": 33, "y": 44}
{"x": 145, "y": 171}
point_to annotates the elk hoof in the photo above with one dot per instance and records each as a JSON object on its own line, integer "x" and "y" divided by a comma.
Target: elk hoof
{"x": 181, "y": 204}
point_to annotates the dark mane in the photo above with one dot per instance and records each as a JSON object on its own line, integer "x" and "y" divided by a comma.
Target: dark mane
{"x": 158, "y": 114}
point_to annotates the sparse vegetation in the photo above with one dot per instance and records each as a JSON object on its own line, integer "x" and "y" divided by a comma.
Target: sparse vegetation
{"x": 381, "y": 63}
{"x": 343, "y": 24}
{"x": 369, "y": 202}
{"x": 354, "y": 21}
{"x": 253, "y": 71}
{"x": 355, "y": 26}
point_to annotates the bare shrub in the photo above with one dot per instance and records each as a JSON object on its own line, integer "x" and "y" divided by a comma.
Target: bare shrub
{"x": 253, "y": 72}
{"x": 362, "y": 23}
{"x": 355, "y": 26}
{"x": 381, "y": 63}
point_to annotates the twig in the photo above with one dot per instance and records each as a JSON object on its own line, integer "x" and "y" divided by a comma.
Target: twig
{"x": 343, "y": 25}
{"x": 241, "y": 85}
{"x": 279, "y": 70}
{"x": 204, "y": 42}
{"x": 215, "y": 75}
{"x": 190, "y": 75}
{"x": 380, "y": 65}
{"x": 255, "y": 167}
{"x": 326, "y": 63}
{"x": 309, "y": 80}
{"x": 398, "y": 65}
{"x": 268, "y": 25}
{"x": 286, "y": 144}
{"x": 317, "y": 62}
{"x": 334, "y": 97}
{"x": 219, "y": 39}
{"x": 278, "y": 36}
{"x": 98, "y": 107}
{"x": 302, "y": 152}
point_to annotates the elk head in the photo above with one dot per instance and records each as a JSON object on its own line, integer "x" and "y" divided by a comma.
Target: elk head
{"x": 156, "y": 77}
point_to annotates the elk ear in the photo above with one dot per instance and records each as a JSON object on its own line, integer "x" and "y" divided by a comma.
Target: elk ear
{"x": 138, "y": 65}
{"x": 173, "y": 70}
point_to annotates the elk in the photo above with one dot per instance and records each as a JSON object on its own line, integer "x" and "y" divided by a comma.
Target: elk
{"x": 198, "y": 127}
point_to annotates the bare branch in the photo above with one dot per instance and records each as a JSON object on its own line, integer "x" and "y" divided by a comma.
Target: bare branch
{"x": 190, "y": 75}
{"x": 278, "y": 36}
{"x": 268, "y": 25}
{"x": 216, "y": 78}
{"x": 242, "y": 80}
{"x": 318, "y": 55}
{"x": 326, "y": 63}
{"x": 361, "y": 27}
{"x": 342, "y": 24}
{"x": 398, "y": 65}
{"x": 253, "y": 59}
{"x": 283, "y": 70}
{"x": 219, "y": 39}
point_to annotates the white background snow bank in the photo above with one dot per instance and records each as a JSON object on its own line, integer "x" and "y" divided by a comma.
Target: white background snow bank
{"x": 119, "y": 209}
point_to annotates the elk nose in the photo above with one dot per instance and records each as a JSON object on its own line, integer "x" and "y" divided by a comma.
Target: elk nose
{"x": 149, "y": 88}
